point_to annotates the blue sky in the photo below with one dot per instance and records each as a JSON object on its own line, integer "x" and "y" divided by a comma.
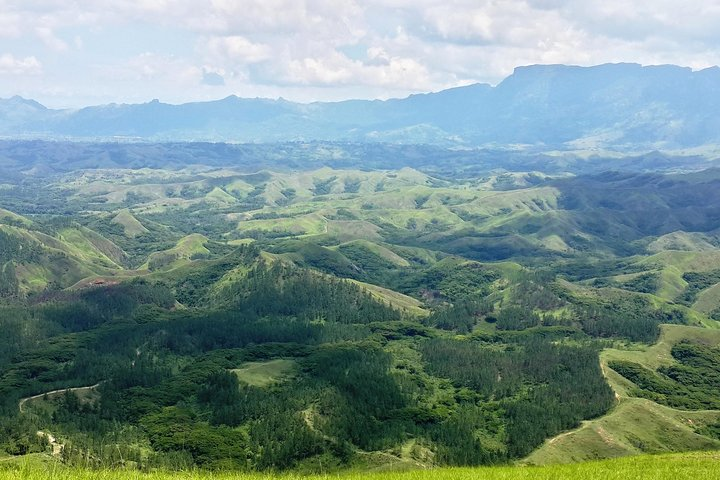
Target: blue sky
{"x": 68, "y": 53}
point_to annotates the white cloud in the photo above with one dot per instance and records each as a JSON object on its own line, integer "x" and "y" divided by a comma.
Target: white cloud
{"x": 50, "y": 40}
{"x": 149, "y": 70}
{"x": 236, "y": 49}
{"x": 336, "y": 69}
{"x": 9, "y": 65}
{"x": 9, "y": 24}
{"x": 295, "y": 47}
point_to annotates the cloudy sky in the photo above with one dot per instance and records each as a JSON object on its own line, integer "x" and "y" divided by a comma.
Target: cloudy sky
{"x": 68, "y": 53}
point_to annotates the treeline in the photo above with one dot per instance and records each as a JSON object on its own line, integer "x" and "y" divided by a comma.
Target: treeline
{"x": 344, "y": 398}
{"x": 632, "y": 317}
{"x": 461, "y": 316}
{"x": 282, "y": 290}
{"x": 12, "y": 252}
{"x": 452, "y": 279}
{"x": 367, "y": 379}
{"x": 13, "y": 248}
{"x": 692, "y": 383}
{"x": 542, "y": 387}
{"x": 95, "y": 306}
{"x": 697, "y": 282}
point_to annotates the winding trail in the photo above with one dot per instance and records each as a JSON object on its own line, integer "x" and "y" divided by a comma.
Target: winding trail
{"x": 585, "y": 423}
{"x": 22, "y": 402}
{"x": 308, "y": 418}
{"x": 55, "y": 445}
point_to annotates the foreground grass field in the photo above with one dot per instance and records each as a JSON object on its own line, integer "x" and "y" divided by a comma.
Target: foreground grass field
{"x": 676, "y": 467}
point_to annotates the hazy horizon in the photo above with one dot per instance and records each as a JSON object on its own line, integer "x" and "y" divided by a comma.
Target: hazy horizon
{"x": 179, "y": 51}
{"x": 338, "y": 100}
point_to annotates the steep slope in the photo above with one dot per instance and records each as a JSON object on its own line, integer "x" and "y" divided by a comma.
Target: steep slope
{"x": 32, "y": 260}
{"x": 132, "y": 227}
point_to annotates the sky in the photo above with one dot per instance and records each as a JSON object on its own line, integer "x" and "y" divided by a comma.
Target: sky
{"x": 73, "y": 53}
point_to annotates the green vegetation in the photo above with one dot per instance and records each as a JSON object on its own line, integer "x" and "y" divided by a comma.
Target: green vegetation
{"x": 262, "y": 374}
{"x": 649, "y": 467}
{"x": 332, "y": 320}
{"x": 693, "y": 382}
{"x": 638, "y": 425}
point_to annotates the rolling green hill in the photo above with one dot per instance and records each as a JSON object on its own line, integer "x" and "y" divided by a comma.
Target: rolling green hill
{"x": 187, "y": 248}
{"x": 330, "y": 320}
{"x": 40, "y": 260}
{"x": 131, "y": 226}
{"x": 637, "y": 425}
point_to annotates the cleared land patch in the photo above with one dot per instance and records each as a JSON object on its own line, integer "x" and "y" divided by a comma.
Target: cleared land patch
{"x": 263, "y": 374}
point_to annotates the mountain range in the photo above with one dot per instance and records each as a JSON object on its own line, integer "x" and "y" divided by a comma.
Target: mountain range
{"x": 616, "y": 106}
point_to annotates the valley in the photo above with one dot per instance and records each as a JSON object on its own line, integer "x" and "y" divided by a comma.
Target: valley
{"x": 332, "y": 314}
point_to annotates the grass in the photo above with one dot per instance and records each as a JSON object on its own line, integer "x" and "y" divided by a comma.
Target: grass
{"x": 46, "y": 403}
{"x": 672, "y": 264}
{"x": 353, "y": 229}
{"x": 180, "y": 254}
{"x": 6, "y": 215}
{"x": 131, "y": 225}
{"x": 395, "y": 299}
{"x": 708, "y": 300}
{"x": 88, "y": 247}
{"x": 685, "y": 241}
{"x": 692, "y": 466}
{"x": 423, "y": 219}
{"x": 635, "y": 425}
{"x": 658, "y": 354}
{"x": 220, "y": 197}
{"x": 263, "y": 374}
{"x": 685, "y": 261}
{"x": 672, "y": 284}
{"x": 312, "y": 224}
{"x": 75, "y": 254}
{"x": 380, "y": 251}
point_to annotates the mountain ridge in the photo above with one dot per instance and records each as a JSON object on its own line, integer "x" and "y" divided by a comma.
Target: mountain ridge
{"x": 620, "y": 106}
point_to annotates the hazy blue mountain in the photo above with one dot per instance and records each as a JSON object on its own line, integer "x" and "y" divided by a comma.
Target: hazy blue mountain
{"x": 613, "y": 105}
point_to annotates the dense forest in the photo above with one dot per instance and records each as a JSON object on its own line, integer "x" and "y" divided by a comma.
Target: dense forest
{"x": 166, "y": 376}
{"x": 320, "y": 320}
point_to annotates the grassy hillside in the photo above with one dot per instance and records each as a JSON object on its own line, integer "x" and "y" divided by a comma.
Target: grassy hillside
{"x": 636, "y": 425}
{"x": 40, "y": 260}
{"x": 404, "y": 303}
{"x": 131, "y": 225}
{"x": 9, "y": 217}
{"x": 187, "y": 248}
{"x": 708, "y": 301}
{"x": 263, "y": 374}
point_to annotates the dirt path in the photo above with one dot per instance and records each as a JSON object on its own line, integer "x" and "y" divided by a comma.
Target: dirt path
{"x": 569, "y": 432}
{"x": 54, "y": 392}
{"x": 57, "y": 447}
{"x": 585, "y": 423}
{"x": 308, "y": 418}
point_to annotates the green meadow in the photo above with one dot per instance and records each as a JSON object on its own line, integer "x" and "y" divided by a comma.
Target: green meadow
{"x": 692, "y": 466}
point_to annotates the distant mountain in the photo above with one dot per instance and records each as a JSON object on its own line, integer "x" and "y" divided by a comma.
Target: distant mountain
{"x": 607, "y": 106}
